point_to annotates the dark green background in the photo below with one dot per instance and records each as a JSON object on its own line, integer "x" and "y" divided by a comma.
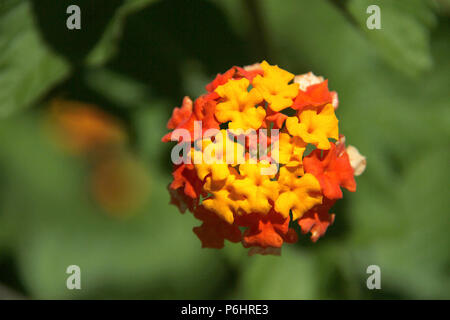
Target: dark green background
{"x": 136, "y": 60}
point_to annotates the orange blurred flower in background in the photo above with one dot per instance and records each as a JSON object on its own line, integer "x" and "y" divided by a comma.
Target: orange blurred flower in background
{"x": 119, "y": 183}
{"x": 83, "y": 128}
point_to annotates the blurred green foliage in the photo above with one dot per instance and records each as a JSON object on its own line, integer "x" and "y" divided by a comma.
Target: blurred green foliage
{"x": 136, "y": 59}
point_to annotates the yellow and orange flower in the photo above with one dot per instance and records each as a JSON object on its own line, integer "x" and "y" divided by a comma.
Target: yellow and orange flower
{"x": 234, "y": 199}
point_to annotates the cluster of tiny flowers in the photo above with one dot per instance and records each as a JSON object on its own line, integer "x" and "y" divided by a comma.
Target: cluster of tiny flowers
{"x": 235, "y": 200}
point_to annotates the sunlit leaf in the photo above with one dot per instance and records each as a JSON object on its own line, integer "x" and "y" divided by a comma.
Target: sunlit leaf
{"x": 28, "y": 68}
{"x": 403, "y": 39}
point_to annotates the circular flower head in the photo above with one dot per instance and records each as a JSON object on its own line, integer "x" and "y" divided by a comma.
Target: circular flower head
{"x": 259, "y": 152}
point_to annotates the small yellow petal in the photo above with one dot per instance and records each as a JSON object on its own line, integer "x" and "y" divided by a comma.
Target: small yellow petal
{"x": 275, "y": 88}
{"x": 239, "y": 106}
{"x": 298, "y": 194}
{"x": 315, "y": 128}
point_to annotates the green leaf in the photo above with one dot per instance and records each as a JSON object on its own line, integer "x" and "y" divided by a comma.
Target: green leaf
{"x": 406, "y": 231}
{"x": 118, "y": 88}
{"x": 28, "y": 69}
{"x": 403, "y": 39}
{"x": 294, "y": 275}
{"x": 106, "y": 48}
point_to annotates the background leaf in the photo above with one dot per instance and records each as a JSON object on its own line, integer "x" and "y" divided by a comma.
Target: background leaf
{"x": 403, "y": 39}
{"x": 28, "y": 68}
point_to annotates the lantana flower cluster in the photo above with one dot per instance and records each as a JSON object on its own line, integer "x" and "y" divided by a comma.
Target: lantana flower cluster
{"x": 236, "y": 200}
